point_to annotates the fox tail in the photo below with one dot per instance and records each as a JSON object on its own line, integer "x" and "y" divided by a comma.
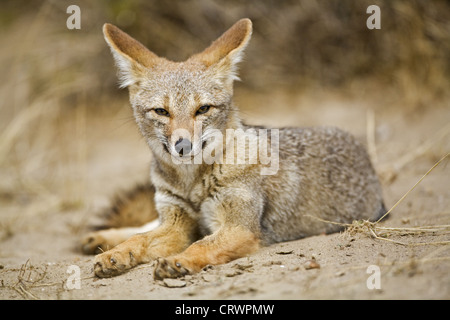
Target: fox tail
{"x": 131, "y": 208}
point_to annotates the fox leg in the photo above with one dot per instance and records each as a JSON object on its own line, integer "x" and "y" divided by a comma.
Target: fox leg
{"x": 176, "y": 233}
{"x": 103, "y": 240}
{"x": 227, "y": 244}
{"x": 238, "y": 234}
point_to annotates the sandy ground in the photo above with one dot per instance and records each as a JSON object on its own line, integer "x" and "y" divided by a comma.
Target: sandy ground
{"x": 39, "y": 235}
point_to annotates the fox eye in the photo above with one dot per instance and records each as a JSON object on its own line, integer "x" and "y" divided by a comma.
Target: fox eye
{"x": 161, "y": 112}
{"x": 203, "y": 109}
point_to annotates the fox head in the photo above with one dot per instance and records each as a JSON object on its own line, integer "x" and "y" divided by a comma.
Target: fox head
{"x": 177, "y": 104}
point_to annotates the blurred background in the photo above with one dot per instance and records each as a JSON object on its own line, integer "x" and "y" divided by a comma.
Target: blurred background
{"x": 67, "y": 137}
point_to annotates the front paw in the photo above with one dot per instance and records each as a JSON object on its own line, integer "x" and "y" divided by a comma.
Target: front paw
{"x": 113, "y": 263}
{"x": 95, "y": 243}
{"x": 171, "y": 268}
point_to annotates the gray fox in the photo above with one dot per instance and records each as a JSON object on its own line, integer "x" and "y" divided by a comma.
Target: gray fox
{"x": 204, "y": 212}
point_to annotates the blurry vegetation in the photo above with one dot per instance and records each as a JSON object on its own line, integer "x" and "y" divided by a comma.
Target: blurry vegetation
{"x": 302, "y": 43}
{"x": 52, "y": 76}
{"x": 295, "y": 43}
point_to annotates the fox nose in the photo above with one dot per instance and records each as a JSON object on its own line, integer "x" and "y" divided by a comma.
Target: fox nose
{"x": 183, "y": 146}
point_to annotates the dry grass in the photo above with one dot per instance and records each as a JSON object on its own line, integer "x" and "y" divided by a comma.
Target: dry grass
{"x": 29, "y": 277}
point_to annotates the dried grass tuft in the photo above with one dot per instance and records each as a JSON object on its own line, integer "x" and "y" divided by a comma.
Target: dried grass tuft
{"x": 29, "y": 277}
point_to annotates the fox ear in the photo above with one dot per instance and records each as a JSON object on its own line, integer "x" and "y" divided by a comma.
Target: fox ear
{"x": 131, "y": 57}
{"x": 227, "y": 51}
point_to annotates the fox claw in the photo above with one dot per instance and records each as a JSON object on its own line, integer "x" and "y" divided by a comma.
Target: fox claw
{"x": 169, "y": 268}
